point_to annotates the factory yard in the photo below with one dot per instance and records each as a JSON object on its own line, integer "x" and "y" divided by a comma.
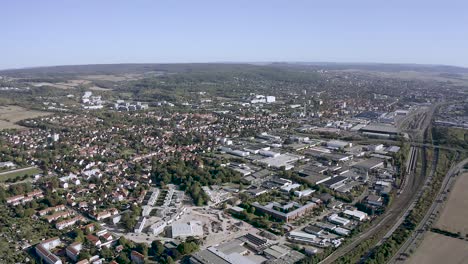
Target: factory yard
{"x": 437, "y": 248}
{"x": 11, "y": 114}
{"x": 454, "y": 214}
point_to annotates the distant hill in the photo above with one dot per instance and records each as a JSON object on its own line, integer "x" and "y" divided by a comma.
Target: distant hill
{"x": 380, "y": 67}
{"x": 92, "y": 69}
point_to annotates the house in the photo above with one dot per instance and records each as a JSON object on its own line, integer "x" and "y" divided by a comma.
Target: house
{"x": 89, "y": 228}
{"x": 137, "y": 257}
{"x": 107, "y": 236}
{"x": 94, "y": 240}
{"x": 43, "y": 251}
{"x": 51, "y": 209}
{"x": 66, "y": 223}
{"x": 74, "y": 250}
{"x": 56, "y": 216}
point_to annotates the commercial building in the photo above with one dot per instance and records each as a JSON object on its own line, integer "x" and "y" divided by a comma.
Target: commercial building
{"x": 336, "y": 182}
{"x": 213, "y": 255}
{"x": 335, "y": 219}
{"x": 303, "y": 237}
{"x": 369, "y": 164}
{"x": 337, "y": 144}
{"x": 285, "y": 212}
{"x": 304, "y": 193}
{"x": 355, "y": 214}
{"x": 380, "y": 130}
{"x": 283, "y": 160}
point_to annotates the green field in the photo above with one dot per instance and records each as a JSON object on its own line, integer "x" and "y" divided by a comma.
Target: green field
{"x": 13, "y": 174}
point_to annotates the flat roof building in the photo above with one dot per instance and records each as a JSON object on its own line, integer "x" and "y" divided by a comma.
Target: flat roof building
{"x": 355, "y": 214}
{"x": 285, "y": 212}
{"x": 192, "y": 228}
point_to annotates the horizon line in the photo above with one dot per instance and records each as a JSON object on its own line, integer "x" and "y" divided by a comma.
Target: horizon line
{"x": 242, "y": 62}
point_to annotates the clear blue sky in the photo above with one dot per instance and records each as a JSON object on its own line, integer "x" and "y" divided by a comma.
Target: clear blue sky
{"x": 44, "y": 32}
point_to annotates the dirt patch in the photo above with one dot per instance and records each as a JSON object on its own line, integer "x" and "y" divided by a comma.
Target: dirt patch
{"x": 11, "y": 114}
{"x": 71, "y": 84}
{"x": 454, "y": 213}
{"x": 97, "y": 88}
{"x": 437, "y": 248}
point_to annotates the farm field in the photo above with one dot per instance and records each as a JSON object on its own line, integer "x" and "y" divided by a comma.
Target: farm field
{"x": 437, "y": 248}
{"x": 11, "y": 114}
{"x": 454, "y": 214}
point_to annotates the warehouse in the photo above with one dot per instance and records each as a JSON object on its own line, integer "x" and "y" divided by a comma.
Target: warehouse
{"x": 369, "y": 164}
{"x": 355, "y": 214}
{"x": 336, "y": 182}
{"x": 335, "y": 219}
{"x": 377, "y": 128}
{"x": 337, "y": 144}
{"x": 294, "y": 210}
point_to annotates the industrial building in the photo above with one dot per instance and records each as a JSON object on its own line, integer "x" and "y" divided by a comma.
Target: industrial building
{"x": 335, "y": 219}
{"x": 355, "y": 214}
{"x": 277, "y": 210}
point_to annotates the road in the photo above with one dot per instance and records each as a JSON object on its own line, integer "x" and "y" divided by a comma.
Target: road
{"x": 424, "y": 225}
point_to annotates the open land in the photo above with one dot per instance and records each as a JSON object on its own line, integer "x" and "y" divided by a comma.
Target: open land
{"x": 437, "y": 248}
{"x": 454, "y": 214}
{"x": 11, "y": 114}
{"x": 12, "y": 174}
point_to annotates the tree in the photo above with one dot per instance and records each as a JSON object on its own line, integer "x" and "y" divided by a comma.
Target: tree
{"x": 123, "y": 259}
{"x": 169, "y": 260}
{"x": 84, "y": 255}
{"x": 78, "y": 234}
{"x": 142, "y": 248}
{"x": 186, "y": 248}
{"x": 157, "y": 248}
{"x": 106, "y": 253}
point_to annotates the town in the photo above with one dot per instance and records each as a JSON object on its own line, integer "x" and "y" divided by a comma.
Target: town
{"x": 297, "y": 169}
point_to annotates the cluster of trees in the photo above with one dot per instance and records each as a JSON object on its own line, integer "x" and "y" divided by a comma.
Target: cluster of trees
{"x": 156, "y": 251}
{"x": 129, "y": 219}
{"x": 451, "y": 137}
{"x": 166, "y": 255}
{"x": 192, "y": 175}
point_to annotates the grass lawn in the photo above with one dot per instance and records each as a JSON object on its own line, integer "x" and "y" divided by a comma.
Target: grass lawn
{"x": 15, "y": 174}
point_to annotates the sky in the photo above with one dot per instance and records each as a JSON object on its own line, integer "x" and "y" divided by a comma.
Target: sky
{"x": 43, "y": 33}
